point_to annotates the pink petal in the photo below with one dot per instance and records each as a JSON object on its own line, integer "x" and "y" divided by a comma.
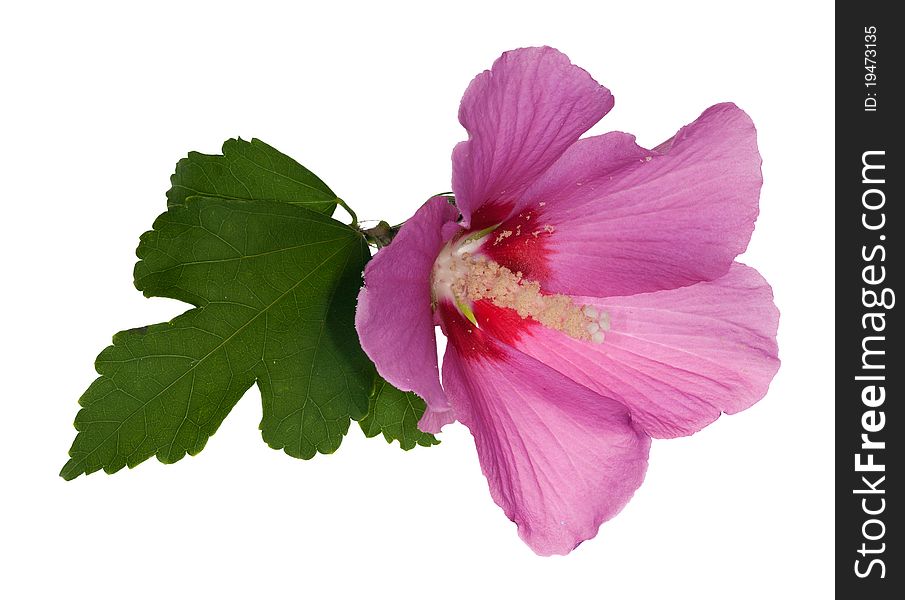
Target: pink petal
{"x": 595, "y": 157}
{"x": 394, "y": 319}
{"x": 433, "y": 419}
{"x": 559, "y": 459}
{"x": 520, "y": 116}
{"x": 675, "y": 358}
{"x": 528, "y": 232}
{"x": 617, "y": 220}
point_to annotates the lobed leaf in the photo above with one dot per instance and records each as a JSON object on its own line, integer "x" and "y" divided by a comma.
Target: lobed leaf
{"x": 274, "y": 288}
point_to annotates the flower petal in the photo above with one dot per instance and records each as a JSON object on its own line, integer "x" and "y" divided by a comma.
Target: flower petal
{"x": 394, "y": 319}
{"x": 522, "y": 242}
{"x": 621, "y": 221}
{"x": 675, "y": 358}
{"x": 589, "y": 158}
{"x": 433, "y": 419}
{"x": 559, "y": 459}
{"x": 520, "y": 117}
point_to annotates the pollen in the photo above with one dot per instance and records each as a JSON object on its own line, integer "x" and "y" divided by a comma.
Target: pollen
{"x": 478, "y": 278}
{"x": 502, "y": 236}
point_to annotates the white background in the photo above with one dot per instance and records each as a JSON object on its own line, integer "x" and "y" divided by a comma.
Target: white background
{"x": 99, "y": 101}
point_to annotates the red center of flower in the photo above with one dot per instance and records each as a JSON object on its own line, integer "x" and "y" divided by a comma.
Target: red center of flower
{"x": 521, "y": 244}
{"x": 483, "y": 294}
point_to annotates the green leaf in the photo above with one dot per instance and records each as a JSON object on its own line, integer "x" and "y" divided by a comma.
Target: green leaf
{"x": 275, "y": 287}
{"x": 395, "y": 414}
{"x": 249, "y": 171}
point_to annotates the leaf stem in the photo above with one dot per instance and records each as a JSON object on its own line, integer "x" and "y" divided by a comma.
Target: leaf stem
{"x": 354, "y": 223}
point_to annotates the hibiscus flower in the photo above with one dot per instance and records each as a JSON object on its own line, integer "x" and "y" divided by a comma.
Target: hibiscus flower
{"x": 587, "y": 288}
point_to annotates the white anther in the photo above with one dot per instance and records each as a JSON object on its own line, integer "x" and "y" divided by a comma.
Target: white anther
{"x": 591, "y": 312}
{"x": 604, "y": 321}
{"x": 592, "y": 328}
{"x": 597, "y": 337}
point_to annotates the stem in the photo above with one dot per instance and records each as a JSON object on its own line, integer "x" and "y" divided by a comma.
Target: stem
{"x": 354, "y": 223}
{"x": 381, "y": 234}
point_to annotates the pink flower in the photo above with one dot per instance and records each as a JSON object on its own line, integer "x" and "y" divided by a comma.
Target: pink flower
{"x": 587, "y": 289}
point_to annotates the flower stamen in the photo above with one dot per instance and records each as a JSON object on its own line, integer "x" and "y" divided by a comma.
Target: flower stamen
{"x": 469, "y": 278}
